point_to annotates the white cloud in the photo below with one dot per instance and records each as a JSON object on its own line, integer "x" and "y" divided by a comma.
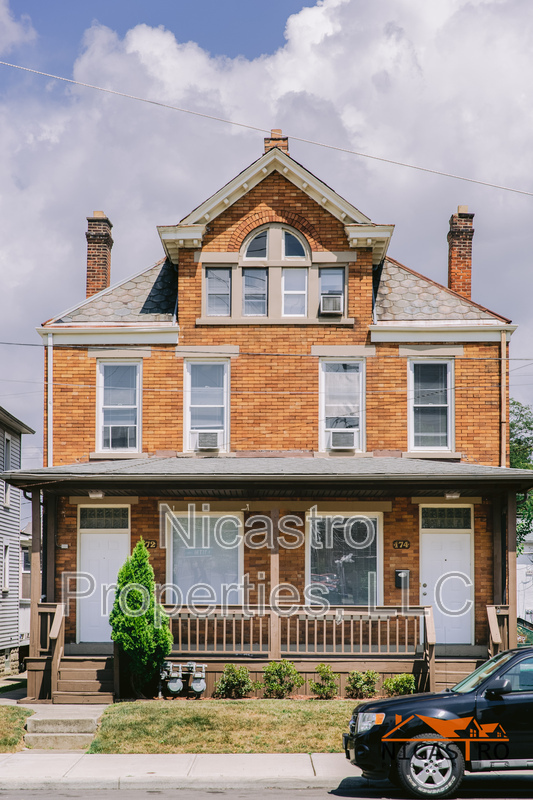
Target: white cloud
{"x": 445, "y": 85}
{"x": 13, "y": 32}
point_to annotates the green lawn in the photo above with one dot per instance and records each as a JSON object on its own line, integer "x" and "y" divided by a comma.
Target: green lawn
{"x": 12, "y": 719}
{"x": 224, "y": 726}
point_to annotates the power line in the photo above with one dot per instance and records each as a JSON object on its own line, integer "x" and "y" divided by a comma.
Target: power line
{"x": 265, "y": 130}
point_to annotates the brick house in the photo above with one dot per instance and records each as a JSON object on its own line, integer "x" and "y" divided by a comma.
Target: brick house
{"x": 311, "y": 437}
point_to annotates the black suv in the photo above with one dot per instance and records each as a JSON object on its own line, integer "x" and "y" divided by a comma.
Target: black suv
{"x": 425, "y": 742}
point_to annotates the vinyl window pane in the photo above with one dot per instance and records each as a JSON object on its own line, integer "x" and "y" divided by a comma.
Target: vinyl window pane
{"x": 218, "y": 283}
{"x": 431, "y": 427}
{"x": 295, "y": 280}
{"x": 255, "y": 287}
{"x": 120, "y": 384}
{"x": 431, "y": 384}
{"x": 293, "y": 246}
{"x": 342, "y": 395}
{"x": 331, "y": 280}
{"x": 345, "y": 570}
{"x": 197, "y": 558}
{"x": 258, "y": 246}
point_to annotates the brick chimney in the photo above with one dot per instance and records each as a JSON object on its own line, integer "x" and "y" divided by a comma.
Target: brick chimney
{"x": 460, "y": 252}
{"x": 99, "y": 244}
{"x": 276, "y": 139}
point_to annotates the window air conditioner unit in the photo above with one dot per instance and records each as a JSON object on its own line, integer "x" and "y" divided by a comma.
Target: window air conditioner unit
{"x": 342, "y": 440}
{"x": 331, "y": 303}
{"x": 208, "y": 440}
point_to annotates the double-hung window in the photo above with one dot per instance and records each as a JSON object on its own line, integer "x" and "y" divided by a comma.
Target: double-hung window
{"x": 254, "y": 292}
{"x": 206, "y": 405}
{"x": 341, "y": 406}
{"x": 294, "y": 288}
{"x": 218, "y": 282}
{"x": 431, "y": 407}
{"x": 119, "y": 406}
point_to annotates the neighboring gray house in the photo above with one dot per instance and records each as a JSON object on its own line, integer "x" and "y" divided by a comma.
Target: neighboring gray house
{"x": 11, "y": 430}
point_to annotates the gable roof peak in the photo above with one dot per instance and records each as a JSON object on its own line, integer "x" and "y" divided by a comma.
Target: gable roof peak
{"x": 190, "y": 231}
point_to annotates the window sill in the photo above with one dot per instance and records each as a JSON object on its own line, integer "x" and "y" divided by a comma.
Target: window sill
{"x": 275, "y": 321}
{"x": 433, "y": 454}
{"x": 115, "y": 456}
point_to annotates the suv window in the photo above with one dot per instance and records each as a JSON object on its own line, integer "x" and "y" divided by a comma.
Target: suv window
{"x": 481, "y": 673}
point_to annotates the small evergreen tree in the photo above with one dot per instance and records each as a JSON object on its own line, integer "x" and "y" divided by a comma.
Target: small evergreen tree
{"x": 139, "y": 625}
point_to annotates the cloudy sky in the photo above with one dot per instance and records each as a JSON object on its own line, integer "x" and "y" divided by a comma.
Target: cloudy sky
{"x": 445, "y": 85}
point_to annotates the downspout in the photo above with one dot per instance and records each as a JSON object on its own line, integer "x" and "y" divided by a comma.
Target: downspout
{"x": 503, "y": 399}
{"x": 50, "y": 402}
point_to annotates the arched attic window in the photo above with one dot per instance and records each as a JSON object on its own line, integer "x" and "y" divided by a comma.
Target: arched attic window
{"x": 275, "y": 242}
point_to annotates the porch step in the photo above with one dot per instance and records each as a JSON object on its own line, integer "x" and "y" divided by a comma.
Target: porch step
{"x": 85, "y": 679}
{"x": 75, "y": 698}
{"x": 60, "y": 734}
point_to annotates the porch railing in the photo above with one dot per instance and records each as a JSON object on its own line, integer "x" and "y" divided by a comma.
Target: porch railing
{"x": 386, "y": 630}
{"x": 498, "y": 619}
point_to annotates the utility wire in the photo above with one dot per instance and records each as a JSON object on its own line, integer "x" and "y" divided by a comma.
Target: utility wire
{"x": 265, "y": 130}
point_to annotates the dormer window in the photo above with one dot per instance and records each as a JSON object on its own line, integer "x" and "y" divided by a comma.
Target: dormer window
{"x": 292, "y": 246}
{"x": 257, "y": 247}
{"x": 275, "y": 279}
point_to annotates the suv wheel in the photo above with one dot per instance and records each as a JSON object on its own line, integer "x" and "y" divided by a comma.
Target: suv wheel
{"x": 430, "y": 768}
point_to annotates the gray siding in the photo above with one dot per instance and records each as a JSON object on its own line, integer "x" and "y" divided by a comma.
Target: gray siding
{"x": 10, "y": 537}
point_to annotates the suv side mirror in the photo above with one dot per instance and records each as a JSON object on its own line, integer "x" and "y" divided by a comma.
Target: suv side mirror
{"x": 499, "y": 686}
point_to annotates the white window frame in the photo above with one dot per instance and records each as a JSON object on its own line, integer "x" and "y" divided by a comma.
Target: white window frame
{"x": 338, "y": 267}
{"x": 8, "y": 464}
{"x": 324, "y": 435}
{"x": 286, "y": 292}
{"x": 214, "y": 268}
{"x": 170, "y": 546}
{"x": 5, "y": 567}
{"x": 100, "y": 404}
{"x": 450, "y": 392}
{"x": 190, "y": 437}
{"x": 378, "y": 516}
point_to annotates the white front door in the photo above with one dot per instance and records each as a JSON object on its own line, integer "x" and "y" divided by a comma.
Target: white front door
{"x": 445, "y": 572}
{"x": 101, "y": 555}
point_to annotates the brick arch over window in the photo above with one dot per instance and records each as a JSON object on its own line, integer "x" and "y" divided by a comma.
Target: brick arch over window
{"x": 252, "y": 221}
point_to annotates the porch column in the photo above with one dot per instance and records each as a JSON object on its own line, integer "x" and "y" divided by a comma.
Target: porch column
{"x": 511, "y": 568}
{"x": 35, "y": 573}
{"x": 497, "y": 549}
{"x": 275, "y": 650}
{"x": 49, "y": 548}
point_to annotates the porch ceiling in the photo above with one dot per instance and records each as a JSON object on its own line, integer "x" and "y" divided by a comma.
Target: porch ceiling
{"x": 228, "y": 477}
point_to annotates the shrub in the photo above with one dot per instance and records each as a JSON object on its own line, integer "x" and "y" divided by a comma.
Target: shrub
{"x": 361, "y": 684}
{"x": 280, "y": 678}
{"x": 399, "y": 684}
{"x": 139, "y": 625}
{"x": 327, "y": 688}
{"x": 235, "y": 683}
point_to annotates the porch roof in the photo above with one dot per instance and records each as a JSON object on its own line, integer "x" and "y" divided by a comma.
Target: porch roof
{"x": 291, "y": 476}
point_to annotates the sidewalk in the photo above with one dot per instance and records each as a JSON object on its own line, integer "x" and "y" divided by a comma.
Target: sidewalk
{"x": 28, "y": 770}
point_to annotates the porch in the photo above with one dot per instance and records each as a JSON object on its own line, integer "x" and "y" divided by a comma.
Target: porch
{"x": 388, "y": 639}
{"x": 393, "y": 633}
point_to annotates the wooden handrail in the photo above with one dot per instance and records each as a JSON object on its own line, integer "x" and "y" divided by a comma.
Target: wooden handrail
{"x": 494, "y": 628}
{"x": 58, "y": 619}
